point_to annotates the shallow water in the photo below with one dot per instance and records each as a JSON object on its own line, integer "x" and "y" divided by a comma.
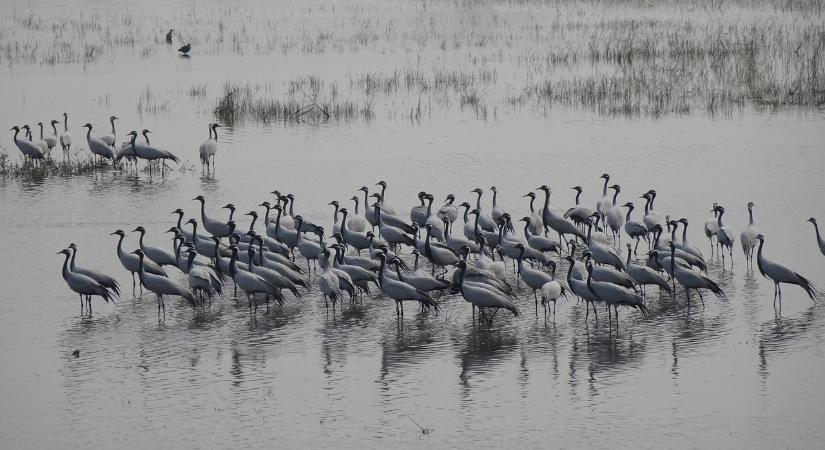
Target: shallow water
{"x": 734, "y": 373}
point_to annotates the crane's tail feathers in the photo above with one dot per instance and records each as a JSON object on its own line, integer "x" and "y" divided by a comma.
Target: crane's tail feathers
{"x": 717, "y": 290}
{"x": 809, "y": 287}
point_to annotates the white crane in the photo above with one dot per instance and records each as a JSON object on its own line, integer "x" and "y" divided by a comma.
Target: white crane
{"x": 51, "y": 141}
{"x": 712, "y": 228}
{"x": 66, "y": 138}
{"x": 615, "y": 217}
{"x": 110, "y": 139}
{"x": 604, "y": 203}
{"x": 779, "y": 274}
{"x": 83, "y": 285}
{"x": 448, "y": 210}
{"x": 820, "y": 242}
{"x": 748, "y": 237}
{"x": 357, "y": 222}
{"x": 209, "y": 148}
{"x": 551, "y": 292}
{"x": 328, "y": 282}
{"x": 44, "y": 146}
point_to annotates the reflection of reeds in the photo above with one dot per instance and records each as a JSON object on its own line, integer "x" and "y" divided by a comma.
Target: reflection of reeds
{"x": 149, "y": 103}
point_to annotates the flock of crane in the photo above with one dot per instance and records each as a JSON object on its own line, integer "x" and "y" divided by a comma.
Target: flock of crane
{"x": 105, "y": 146}
{"x": 366, "y": 248}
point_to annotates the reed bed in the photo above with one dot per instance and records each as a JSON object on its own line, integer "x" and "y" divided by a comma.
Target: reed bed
{"x": 612, "y": 57}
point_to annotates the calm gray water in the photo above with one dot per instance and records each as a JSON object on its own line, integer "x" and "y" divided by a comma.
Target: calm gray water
{"x": 733, "y": 374}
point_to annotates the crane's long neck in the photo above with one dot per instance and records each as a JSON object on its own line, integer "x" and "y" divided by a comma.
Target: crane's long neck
{"x": 816, "y": 228}
{"x": 65, "y": 271}
{"x": 533, "y": 199}
{"x": 546, "y": 208}
{"x": 366, "y": 200}
{"x": 41, "y": 130}
{"x": 291, "y": 207}
{"x": 495, "y": 195}
{"x": 383, "y": 193}
{"x": 355, "y": 199}
{"x": 673, "y": 232}
{"x": 466, "y": 214}
{"x": 378, "y": 216}
{"x": 54, "y": 128}
{"x": 277, "y": 221}
{"x": 429, "y": 207}
{"x": 759, "y": 257}
{"x": 252, "y": 224}
{"x": 88, "y": 133}
{"x": 629, "y": 210}
{"x": 194, "y": 232}
{"x": 233, "y": 260}
{"x": 415, "y": 267}
{"x": 260, "y": 251}
{"x": 615, "y": 194}
{"x": 120, "y": 247}
{"x": 190, "y": 260}
{"x": 652, "y": 199}
{"x": 719, "y": 219}
{"x": 478, "y": 201}
{"x": 112, "y": 121}
{"x": 578, "y": 195}
{"x": 604, "y": 188}
{"x": 65, "y": 123}
{"x": 343, "y": 219}
{"x": 684, "y": 233}
{"x": 180, "y": 219}
{"x": 146, "y": 136}
{"x": 647, "y": 206}
{"x": 71, "y": 265}
{"x": 203, "y": 211}
{"x": 627, "y": 263}
{"x": 526, "y": 230}
{"x": 140, "y": 240}
{"x": 335, "y": 214}
{"x": 750, "y": 216}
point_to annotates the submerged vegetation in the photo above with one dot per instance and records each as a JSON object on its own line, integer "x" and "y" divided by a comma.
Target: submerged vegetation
{"x": 488, "y": 56}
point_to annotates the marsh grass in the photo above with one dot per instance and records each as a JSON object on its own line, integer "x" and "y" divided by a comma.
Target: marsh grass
{"x": 77, "y": 165}
{"x": 306, "y": 99}
{"x": 149, "y": 103}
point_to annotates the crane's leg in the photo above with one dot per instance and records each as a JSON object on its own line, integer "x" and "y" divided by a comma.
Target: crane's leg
{"x": 81, "y": 304}
{"x": 586, "y": 312}
{"x": 687, "y": 292}
{"x": 133, "y": 284}
{"x": 596, "y": 313}
{"x": 699, "y": 291}
{"x": 779, "y": 288}
{"x": 554, "y": 310}
{"x": 89, "y": 304}
{"x": 249, "y": 301}
{"x": 535, "y": 297}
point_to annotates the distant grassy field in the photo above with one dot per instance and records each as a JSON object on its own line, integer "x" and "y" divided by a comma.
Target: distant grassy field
{"x": 488, "y": 57}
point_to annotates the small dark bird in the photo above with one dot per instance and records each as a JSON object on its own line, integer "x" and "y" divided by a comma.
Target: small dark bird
{"x": 169, "y": 36}
{"x": 185, "y": 49}
{"x": 76, "y": 353}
